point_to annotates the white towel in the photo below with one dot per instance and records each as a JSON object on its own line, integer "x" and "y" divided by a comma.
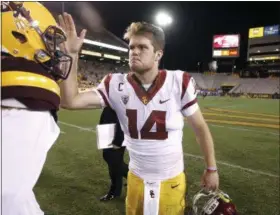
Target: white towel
{"x": 151, "y": 197}
{"x": 105, "y": 134}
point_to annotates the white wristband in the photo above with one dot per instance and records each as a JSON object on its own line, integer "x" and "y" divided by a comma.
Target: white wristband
{"x": 211, "y": 168}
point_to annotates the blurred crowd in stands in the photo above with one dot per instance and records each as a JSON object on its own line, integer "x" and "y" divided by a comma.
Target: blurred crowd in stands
{"x": 208, "y": 84}
{"x": 91, "y": 73}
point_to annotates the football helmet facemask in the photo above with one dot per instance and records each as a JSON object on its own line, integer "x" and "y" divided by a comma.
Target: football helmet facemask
{"x": 213, "y": 203}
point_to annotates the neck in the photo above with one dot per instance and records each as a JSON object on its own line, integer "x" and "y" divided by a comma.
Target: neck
{"x": 147, "y": 77}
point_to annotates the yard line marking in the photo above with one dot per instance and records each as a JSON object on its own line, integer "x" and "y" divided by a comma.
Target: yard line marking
{"x": 247, "y": 113}
{"x": 241, "y": 117}
{"x": 190, "y": 155}
{"x": 227, "y": 106}
{"x": 241, "y": 129}
{"x": 244, "y": 129}
{"x": 235, "y": 166}
{"x": 62, "y": 132}
{"x": 232, "y": 106}
{"x": 252, "y": 124}
{"x": 76, "y": 126}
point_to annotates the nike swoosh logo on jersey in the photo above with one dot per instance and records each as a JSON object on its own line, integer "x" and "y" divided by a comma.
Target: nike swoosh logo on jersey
{"x": 161, "y": 102}
{"x": 173, "y": 186}
{"x": 150, "y": 183}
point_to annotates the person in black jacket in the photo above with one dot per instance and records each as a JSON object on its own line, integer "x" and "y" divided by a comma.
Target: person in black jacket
{"x": 114, "y": 156}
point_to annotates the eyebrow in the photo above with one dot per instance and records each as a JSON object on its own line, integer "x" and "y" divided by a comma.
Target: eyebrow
{"x": 137, "y": 45}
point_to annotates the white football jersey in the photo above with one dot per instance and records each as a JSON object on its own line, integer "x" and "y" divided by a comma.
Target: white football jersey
{"x": 152, "y": 120}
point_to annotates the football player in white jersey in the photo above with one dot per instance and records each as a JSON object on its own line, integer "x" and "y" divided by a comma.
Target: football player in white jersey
{"x": 151, "y": 106}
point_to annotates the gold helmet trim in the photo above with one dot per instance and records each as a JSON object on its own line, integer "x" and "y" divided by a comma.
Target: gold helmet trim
{"x": 19, "y": 78}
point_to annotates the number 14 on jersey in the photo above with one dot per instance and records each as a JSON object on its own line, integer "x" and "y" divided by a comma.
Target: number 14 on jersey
{"x": 156, "y": 117}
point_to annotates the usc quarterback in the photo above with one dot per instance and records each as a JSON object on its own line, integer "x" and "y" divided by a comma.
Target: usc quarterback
{"x": 151, "y": 106}
{"x": 31, "y": 67}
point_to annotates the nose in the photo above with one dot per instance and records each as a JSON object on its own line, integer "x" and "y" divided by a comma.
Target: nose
{"x": 134, "y": 52}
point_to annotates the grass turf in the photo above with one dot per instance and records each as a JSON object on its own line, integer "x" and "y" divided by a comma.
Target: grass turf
{"x": 75, "y": 175}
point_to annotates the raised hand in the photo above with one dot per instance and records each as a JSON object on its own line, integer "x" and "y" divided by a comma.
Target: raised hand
{"x": 74, "y": 42}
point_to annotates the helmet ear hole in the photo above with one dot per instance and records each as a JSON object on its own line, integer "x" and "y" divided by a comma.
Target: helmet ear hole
{"x": 20, "y": 37}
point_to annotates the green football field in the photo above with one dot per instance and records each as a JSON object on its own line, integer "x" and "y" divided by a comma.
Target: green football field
{"x": 246, "y": 136}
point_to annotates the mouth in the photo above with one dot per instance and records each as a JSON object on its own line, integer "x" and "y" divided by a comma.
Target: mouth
{"x": 134, "y": 60}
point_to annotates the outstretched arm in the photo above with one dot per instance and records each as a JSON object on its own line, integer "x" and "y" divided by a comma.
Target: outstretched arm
{"x": 70, "y": 96}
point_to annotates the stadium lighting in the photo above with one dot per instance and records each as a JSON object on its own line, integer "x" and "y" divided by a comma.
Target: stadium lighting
{"x": 163, "y": 19}
{"x": 92, "y": 53}
{"x": 113, "y": 57}
{"x": 105, "y": 45}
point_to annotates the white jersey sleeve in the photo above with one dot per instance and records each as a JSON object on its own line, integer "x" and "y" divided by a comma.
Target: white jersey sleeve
{"x": 188, "y": 94}
{"x": 103, "y": 90}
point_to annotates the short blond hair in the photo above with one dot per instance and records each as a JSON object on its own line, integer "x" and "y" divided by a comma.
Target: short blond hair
{"x": 142, "y": 28}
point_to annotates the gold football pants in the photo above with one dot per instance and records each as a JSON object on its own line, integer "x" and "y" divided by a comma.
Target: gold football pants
{"x": 172, "y": 195}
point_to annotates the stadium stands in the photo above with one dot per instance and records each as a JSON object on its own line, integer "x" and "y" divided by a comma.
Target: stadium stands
{"x": 91, "y": 72}
{"x": 240, "y": 85}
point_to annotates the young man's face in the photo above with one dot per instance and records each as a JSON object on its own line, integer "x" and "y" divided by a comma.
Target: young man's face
{"x": 142, "y": 55}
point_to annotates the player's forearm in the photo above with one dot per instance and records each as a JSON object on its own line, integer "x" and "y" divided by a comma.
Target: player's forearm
{"x": 205, "y": 140}
{"x": 69, "y": 87}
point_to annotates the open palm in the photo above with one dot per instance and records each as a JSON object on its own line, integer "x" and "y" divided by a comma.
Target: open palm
{"x": 74, "y": 42}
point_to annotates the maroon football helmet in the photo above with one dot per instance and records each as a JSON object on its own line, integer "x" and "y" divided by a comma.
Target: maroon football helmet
{"x": 213, "y": 203}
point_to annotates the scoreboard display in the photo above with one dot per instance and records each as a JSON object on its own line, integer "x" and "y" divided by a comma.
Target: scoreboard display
{"x": 226, "y": 46}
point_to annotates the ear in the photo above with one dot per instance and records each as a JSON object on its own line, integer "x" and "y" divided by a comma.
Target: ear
{"x": 159, "y": 54}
